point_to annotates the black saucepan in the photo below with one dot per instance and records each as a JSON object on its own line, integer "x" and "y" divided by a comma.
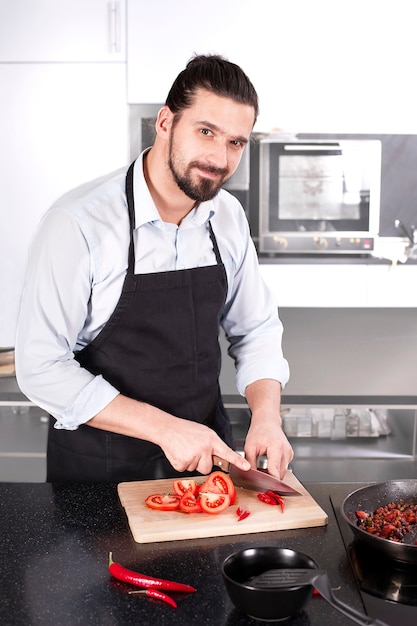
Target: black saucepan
{"x": 370, "y": 498}
{"x": 267, "y": 604}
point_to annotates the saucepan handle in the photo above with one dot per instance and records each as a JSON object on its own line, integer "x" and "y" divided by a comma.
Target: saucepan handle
{"x": 321, "y": 583}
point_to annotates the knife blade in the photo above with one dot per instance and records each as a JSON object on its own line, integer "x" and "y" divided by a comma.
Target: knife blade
{"x": 254, "y": 479}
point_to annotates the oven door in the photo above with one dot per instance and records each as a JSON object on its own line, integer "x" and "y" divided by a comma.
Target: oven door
{"x": 331, "y": 189}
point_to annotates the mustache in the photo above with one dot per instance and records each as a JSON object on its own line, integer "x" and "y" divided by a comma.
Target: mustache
{"x": 222, "y": 171}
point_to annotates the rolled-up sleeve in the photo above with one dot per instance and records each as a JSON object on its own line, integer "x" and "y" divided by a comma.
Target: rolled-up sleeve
{"x": 54, "y": 307}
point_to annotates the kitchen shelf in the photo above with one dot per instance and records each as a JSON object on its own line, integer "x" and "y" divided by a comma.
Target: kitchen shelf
{"x": 24, "y": 428}
{"x": 397, "y": 443}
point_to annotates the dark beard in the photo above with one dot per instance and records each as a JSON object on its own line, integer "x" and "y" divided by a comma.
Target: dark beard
{"x": 199, "y": 192}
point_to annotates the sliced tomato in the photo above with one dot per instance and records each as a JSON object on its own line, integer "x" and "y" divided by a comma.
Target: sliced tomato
{"x": 214, "y": 502}
{"x": 163, "y": 501}
{"x": 184, "y": 485}
{"x": 219, "y": 482}
{"x": 190, "y": 503}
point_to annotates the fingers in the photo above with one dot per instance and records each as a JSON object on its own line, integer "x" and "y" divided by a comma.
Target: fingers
{"x": 180, "y": 464}
{"x": 201, "y": 461}
{"x": 193, "y": 450}
{"x": 230, "y": 456}
{"x": 278, "y": 463}
{"x": 239, "y": 461}
{"x": 251, "y": 458}
{"x": 277, "y": 469}
{"x": 205, "y": 465}
{"x": 278, "y": 456}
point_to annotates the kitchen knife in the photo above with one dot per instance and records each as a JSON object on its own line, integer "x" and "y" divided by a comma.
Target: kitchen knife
{"x": 255, "y": 479}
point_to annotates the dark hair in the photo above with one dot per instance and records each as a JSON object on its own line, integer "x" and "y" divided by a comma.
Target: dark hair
{"x": 216, "y": 74}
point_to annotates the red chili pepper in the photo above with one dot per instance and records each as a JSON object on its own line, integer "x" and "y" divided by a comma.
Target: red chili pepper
{"x": 278, "y": 499}
{"x": 270, "y": 497}
{"x": 242, "y": 513}
{"x": 264, "y": 497}
{"x": 153, "y": 593}
{"x": 141, "y": 580}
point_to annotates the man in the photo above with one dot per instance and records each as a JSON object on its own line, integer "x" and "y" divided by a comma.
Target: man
{"x": 130, "y": 277}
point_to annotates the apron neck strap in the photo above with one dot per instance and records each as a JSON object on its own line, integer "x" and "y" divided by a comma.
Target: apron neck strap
{"x": 215, "y": 246}
{"x": 131, "y": 208}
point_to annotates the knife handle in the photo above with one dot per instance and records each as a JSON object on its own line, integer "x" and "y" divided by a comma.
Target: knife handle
{"x": 221, "y": 463}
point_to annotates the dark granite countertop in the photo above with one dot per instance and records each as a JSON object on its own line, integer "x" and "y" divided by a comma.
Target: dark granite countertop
{"x": 55, "y": 543}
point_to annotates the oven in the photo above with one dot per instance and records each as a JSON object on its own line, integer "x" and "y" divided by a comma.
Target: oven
{"x": 318, "y": 196}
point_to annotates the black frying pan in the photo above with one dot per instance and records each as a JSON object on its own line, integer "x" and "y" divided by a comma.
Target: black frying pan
{"x": 370, "y": 498}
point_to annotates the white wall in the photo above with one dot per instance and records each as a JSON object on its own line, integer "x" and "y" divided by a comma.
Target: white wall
{"x": 318, "y": 65}
{"x": 336, "y": 65}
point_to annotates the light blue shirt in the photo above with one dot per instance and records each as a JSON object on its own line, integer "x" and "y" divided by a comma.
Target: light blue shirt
{"x": 77, "y": 265}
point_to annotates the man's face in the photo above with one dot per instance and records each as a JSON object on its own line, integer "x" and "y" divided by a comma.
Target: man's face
{"x": 206, "y": 144}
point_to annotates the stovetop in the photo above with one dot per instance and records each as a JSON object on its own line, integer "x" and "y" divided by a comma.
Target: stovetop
{"x": 388, "y": 588}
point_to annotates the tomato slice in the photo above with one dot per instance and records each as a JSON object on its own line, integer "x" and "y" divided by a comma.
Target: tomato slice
{"x": 219, "y": 482}
{"x": 190, "y": 503}
{"x": 214, "y": 502}
{"x": 163, "y": 502}
{"x": 184, "y": 485}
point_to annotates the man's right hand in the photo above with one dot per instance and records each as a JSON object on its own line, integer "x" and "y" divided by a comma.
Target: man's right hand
{"x": 188, "y": 446}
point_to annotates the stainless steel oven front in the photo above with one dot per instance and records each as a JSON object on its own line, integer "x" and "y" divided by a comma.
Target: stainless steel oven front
{"x": 319, "y": 196}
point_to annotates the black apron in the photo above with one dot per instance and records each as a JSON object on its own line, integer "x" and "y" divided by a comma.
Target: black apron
{"x": 159, "y": 346}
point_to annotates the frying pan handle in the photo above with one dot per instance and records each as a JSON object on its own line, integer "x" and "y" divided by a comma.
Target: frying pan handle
{"x": 321, "y": 583}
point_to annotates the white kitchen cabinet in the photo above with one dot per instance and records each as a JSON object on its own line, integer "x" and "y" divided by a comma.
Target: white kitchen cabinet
{"x": 61, "y": 125}
{"x": 322, "y": 66}
{"x": 62, "y": 31}
{"x": 342, "y": 285}
{"x": 163, "y": 36}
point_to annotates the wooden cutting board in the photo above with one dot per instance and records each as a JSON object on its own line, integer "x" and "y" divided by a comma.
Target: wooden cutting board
{"x": 148, "y": 525}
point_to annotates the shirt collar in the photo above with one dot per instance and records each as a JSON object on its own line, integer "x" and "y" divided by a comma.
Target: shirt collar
{"x": 146, "y": 211}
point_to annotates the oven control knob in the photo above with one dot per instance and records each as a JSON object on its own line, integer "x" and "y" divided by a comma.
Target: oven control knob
{"x": 320, "y": 243}
{"x": 281, "y": 243}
